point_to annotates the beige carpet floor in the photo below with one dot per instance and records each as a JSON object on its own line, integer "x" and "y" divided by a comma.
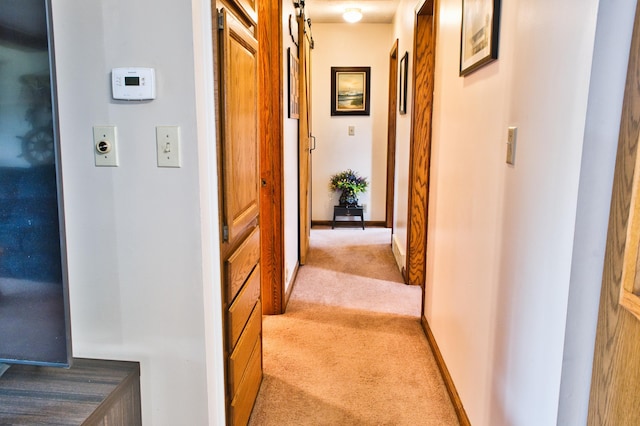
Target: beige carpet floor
{"x": 350, "y": 349}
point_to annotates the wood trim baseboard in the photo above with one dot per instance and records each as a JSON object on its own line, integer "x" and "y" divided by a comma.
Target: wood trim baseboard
{"x": 448, "y": 381}
{"x": 287, "y": 295}
{"x": 370, "y": 223}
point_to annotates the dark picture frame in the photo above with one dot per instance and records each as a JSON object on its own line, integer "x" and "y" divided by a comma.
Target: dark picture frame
{"x": 350, "y": 90}
{"x": 404, "y": 72}
{"x": 479, "y": 34}
{"x": 294, "y": 75}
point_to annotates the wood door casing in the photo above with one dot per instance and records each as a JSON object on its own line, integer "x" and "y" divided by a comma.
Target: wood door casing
{"x": 271, "y": 87}
{"x": 614, "y": 398}
{"x": 391, "y": 133}
{"x": 420, "y": 150}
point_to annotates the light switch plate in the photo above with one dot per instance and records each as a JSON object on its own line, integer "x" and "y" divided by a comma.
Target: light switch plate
{"x": 352, "y": 130}
{"x": 105, "y": 146}
{"x": 512, "y": 135}
{"x": 168, "y": 146}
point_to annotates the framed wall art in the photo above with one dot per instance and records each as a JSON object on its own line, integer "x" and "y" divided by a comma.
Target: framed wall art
{"x": 404, "y": 67}
{"x": 350, "y": 90}
{"x": 480, "y": 31}
{"x": 294, "y": 96}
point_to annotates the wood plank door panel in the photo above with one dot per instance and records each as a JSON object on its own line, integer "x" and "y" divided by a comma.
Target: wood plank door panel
{"x": 304, "y": 57}
{"x": 614, "y": 398}
{"x": 239, "y": 113}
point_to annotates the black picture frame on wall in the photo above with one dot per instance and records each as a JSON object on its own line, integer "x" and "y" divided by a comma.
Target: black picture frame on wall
{"x": 404, "y": 71}
{"x": 350, "y": 90}
{"x": 479, "y": 34}
{"x": 294, "y": 75}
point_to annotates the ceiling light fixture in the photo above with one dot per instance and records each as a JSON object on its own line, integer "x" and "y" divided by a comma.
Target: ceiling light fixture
{"x": 352, "y": 15}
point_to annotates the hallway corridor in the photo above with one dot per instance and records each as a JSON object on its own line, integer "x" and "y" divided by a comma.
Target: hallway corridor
{"x": 350, "y": 349}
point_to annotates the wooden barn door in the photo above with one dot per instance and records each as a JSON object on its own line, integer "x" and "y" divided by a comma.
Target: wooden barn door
{"x": 304, "y": 56}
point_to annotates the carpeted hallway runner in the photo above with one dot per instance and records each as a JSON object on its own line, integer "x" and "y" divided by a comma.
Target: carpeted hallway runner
{"x": 350, "y": 349}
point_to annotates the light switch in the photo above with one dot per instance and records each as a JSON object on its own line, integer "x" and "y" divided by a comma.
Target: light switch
{"x": 352, "y": 130}
{"x": 105, "y": 146}
{"x": 512, "y": 135}
{"x": 168, "y": 146}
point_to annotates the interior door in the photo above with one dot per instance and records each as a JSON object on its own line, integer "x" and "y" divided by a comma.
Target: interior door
{"x": 304, "y": 56}
{"x": 615, "y": 380}
{"x": 239, "y": 205}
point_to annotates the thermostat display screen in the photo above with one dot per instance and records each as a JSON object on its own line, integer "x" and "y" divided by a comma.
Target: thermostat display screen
{"x": 132, "y": 81}
{"x": 133, "y": 84}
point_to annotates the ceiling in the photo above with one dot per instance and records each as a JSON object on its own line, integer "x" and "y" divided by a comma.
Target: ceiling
{"x": 330, "y": 11}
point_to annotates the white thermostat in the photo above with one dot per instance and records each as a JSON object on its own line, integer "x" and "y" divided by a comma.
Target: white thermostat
{"x": 133, "y": 84}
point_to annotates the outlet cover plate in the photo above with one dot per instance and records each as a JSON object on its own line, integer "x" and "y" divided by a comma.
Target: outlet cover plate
{"x": 168, "y": 146}
{"x": 108, "y": 134}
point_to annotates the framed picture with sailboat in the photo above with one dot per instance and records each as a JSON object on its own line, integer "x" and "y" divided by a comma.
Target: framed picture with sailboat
{"x": 350, "y": 90}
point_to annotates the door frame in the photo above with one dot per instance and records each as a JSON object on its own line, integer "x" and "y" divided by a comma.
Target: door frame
{"x": 270, "y": 100}
{"x": 423, "y": 76}
{"x": 391, "y": 133}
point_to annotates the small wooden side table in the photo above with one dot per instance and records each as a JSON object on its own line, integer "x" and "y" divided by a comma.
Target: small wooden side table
{"x": 348, "y": 211}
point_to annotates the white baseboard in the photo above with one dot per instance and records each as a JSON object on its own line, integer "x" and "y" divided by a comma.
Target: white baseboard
{"x": 398, "y": 253}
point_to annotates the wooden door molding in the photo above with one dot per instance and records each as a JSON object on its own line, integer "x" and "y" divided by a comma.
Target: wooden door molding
{"x": 271, "y": 155}
{"x": 614, "y": 398}
{"x": 391, "y": 133}
{"x": 420, "y": 149}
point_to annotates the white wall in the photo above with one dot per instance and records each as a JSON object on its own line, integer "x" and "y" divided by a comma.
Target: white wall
{"x": 341, "y": 45}
{"x": 504, "y": 245}
{"x": 290, "y": 147}
{"x": 143, "y": 266}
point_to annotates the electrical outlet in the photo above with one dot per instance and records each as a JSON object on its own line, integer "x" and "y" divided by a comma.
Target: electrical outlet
{"x": 105, "y": 146}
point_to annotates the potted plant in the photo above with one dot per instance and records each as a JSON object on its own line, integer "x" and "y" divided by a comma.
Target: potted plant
{"x": 351, "y": 184}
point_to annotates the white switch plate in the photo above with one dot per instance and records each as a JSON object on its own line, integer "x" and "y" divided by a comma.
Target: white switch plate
{"x": 168, "y": 146}
{"x": 512, "y": 136}
{"x": 352, "y": 130}
{"x": 105, "y": 146}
